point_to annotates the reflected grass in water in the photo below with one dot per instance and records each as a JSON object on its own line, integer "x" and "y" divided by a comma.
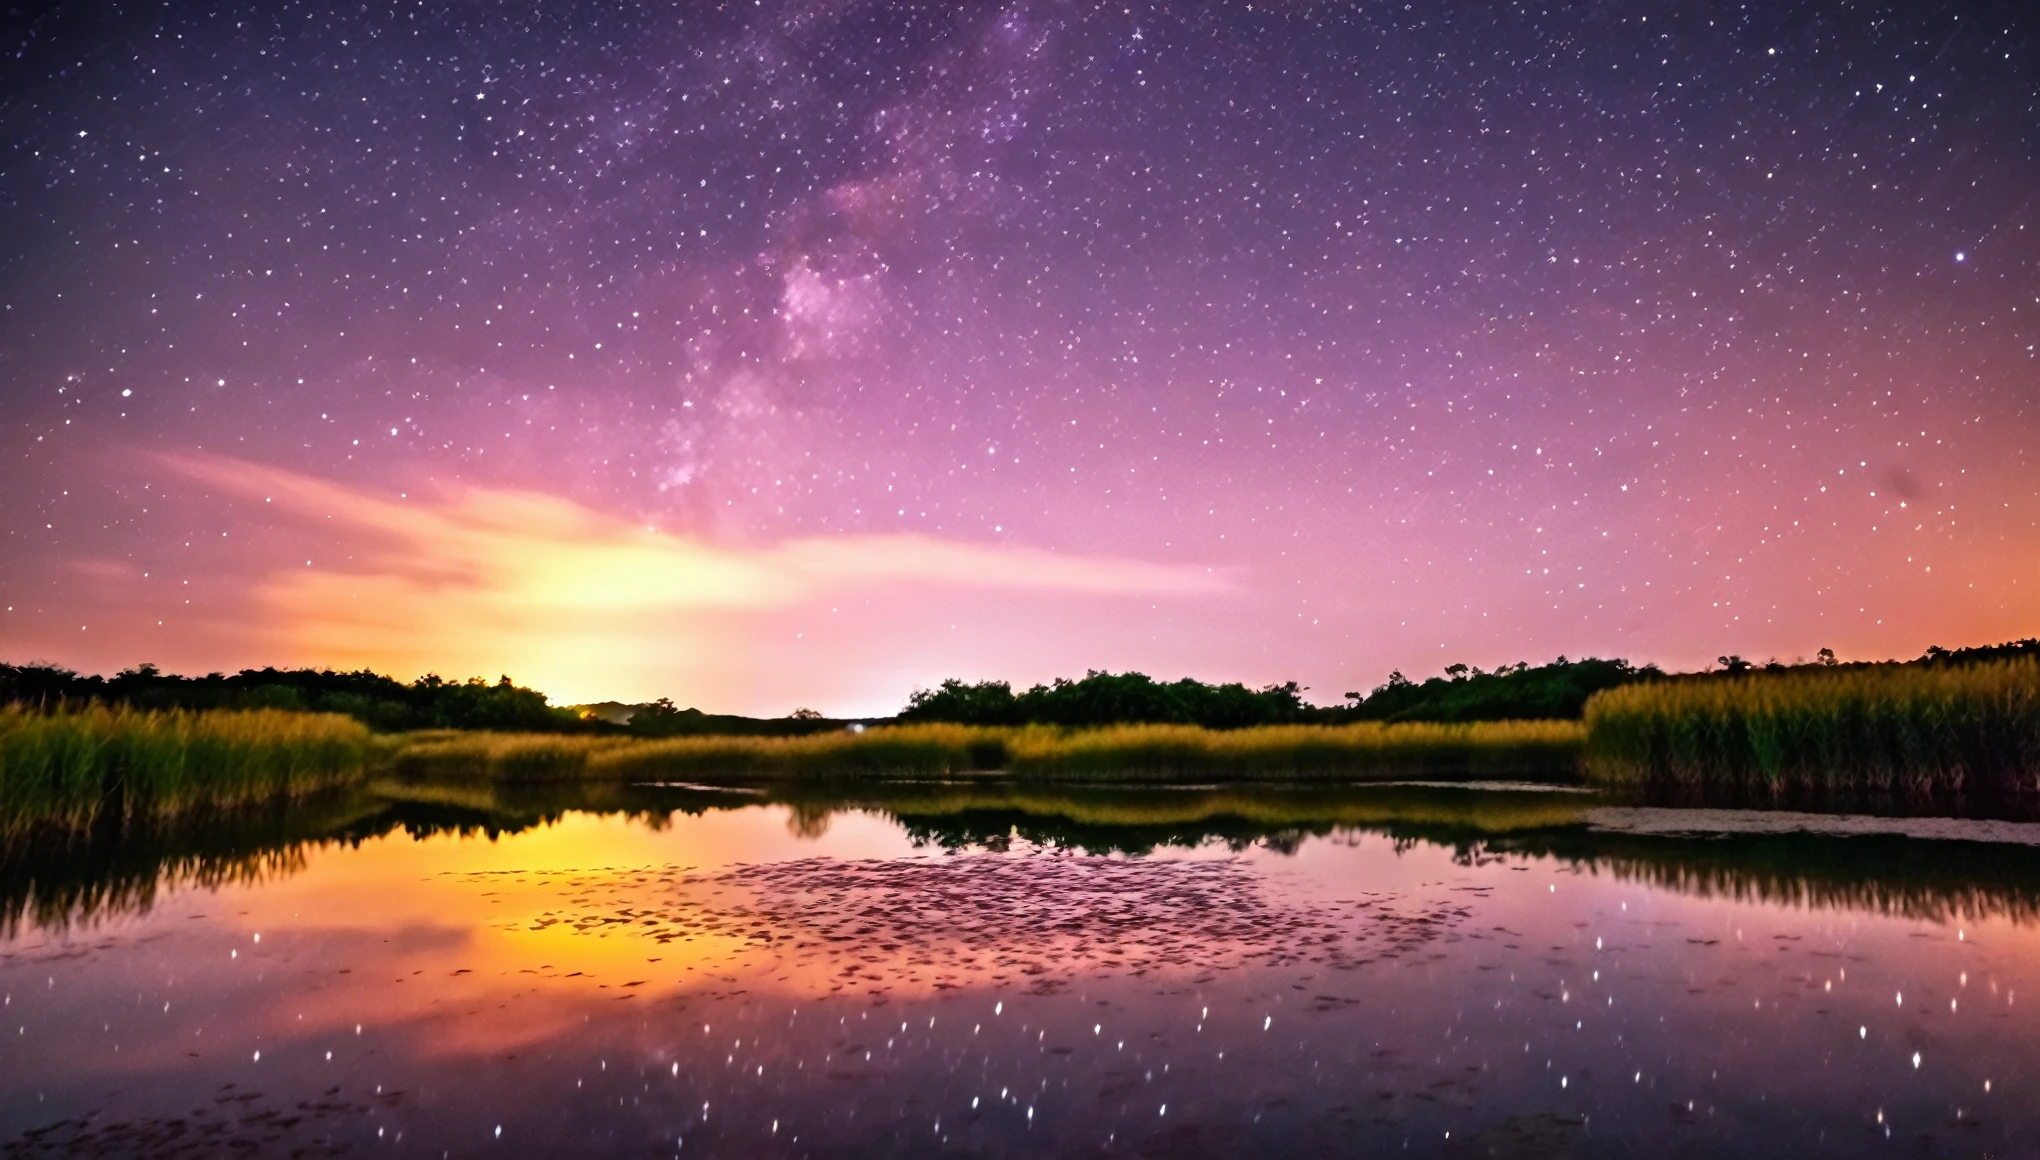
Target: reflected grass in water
{"x": 1135, "y": 821}
{"x": 64, "y": 879}
{"x": 1921, "y": 730}
{"x": 1880, "y": 874}
{"x": 1039, "y": 1000}
{"x": 1873, "y": 874}
{"x": 56, "y": 879}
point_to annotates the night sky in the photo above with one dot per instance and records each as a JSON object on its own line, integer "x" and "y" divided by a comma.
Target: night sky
{"x": 774, "y": 354}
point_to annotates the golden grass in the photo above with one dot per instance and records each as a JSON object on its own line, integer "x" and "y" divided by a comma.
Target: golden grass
{"x": 503, "y": 756}
{"x": 72, "y": 768}
{"x": 1910, "y": 729}
{"x": 1154, "y": 753}
{"x": 1367, "y": 750}
{"x": 552, "y": 757}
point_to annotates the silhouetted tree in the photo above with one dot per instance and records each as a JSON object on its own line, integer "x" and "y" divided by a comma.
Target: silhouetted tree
{"x": 1103, "y": 698}
{"x": 1559, "y": 689}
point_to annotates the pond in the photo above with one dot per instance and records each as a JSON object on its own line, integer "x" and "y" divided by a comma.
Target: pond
{"x": 916, "y": 970}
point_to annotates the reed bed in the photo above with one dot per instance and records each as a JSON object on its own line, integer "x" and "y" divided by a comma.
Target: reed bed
{"x": 895, "y": 751}
{"x": 1910, "y": 730}
{"x": 502, "y": 756}
{"x": 1363, "y": 751}
{"x": 1138, "y": 753}
{"x": 73, "y": 768}
{"x": 538, "y": 757}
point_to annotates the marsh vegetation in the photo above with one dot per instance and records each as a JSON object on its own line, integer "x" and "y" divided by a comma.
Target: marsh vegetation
{"x": 1902, "y": 729}
{"x": 1949, "y": 724}
{"x": 72, "y": 768}
{"x": 123, "y": 868}
{"x": 1134, "y": 753}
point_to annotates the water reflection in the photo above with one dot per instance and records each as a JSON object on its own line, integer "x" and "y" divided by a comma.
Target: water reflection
{"x": 55, "y": 880}
{"x": 118, "y": 870}
{"x": 911, "y": 969}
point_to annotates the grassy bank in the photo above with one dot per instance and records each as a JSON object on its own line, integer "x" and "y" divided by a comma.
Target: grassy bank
{"x": 1910, "y": 730}
{"x": 1367, "y": 750}
{"x": 74, "y": 769}
{"x": 77, "y": 769}
{"x": 1143, "y": 753}
{"x": 1805, "y": 732}
{"x": 905, "y": 751}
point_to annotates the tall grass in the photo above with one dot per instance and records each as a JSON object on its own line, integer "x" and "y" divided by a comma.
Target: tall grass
{"x": 1367, "y": 750}
{"x": 896, "y": 751}
{"x": 73, "y": 768}
{"x": 901, "y": 751}
{"x": 1148, "y": 753}
{"x": 1907, "y": 730}
{"x": 502, "y": 756}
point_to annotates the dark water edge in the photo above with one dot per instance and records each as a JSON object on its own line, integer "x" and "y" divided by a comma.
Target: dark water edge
{"x": 1934, "y": 861}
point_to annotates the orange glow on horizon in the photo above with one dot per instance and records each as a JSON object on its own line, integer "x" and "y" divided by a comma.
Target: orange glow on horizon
{"x": 587, "y": 606}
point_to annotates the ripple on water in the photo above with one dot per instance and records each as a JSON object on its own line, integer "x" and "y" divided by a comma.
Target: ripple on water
{"x": 1048, "y": 917}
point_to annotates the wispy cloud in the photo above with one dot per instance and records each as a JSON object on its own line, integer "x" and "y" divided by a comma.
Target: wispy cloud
{"x": 487, "y": 578}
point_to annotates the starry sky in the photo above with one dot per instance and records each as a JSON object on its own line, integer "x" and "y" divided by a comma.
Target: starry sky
{"x": 800, "y": 352}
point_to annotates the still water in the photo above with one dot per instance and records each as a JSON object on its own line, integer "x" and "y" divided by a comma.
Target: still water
{"x": 656, "y": 971}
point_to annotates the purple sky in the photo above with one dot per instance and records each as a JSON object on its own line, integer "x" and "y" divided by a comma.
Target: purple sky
{"x": 801, "y": 353}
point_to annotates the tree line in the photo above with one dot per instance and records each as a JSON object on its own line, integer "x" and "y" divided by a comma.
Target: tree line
{"x": 381, "y": 702}
{"x": 1461, "y": 693}
{"x": 1102, "y": 698}
{"x": 1558, "y": 690}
